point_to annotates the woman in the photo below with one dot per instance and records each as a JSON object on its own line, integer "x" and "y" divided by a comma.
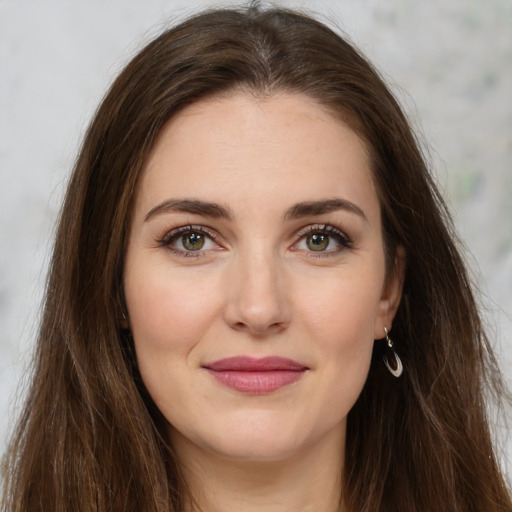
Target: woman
{"x": 248, "y": 213}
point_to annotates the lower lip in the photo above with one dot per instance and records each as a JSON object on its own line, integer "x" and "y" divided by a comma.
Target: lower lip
{"x": 257, "y": 382}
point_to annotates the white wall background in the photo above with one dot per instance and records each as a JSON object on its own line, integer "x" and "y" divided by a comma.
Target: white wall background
{"x": 452, "y": 60}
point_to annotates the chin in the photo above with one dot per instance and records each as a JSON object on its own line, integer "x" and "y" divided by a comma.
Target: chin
{"x": 258, "y": 438}
{"x": 256, "y": 448}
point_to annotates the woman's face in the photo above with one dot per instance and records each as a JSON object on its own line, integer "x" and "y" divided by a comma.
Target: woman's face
{"x": 255, "y": 276}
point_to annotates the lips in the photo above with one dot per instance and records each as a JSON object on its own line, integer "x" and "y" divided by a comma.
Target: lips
{"x": 256, "y": 375}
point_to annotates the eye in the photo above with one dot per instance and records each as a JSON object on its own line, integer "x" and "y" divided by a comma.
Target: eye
{"x": 187, "y": 240}
{"x": 322, "y": 239}
{"x": 192, "y": 241}
{"x": 317, "y": 242}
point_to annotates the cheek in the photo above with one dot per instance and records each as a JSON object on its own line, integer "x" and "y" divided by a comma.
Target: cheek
{"x": 341, "y": 317}
{"x": 342, "y": 308}
{"x": 169, "y": 316}
{"x": 169, "y": 311}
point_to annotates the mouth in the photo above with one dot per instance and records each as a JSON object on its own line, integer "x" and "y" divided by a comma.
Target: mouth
{"x": 256, "y": 375}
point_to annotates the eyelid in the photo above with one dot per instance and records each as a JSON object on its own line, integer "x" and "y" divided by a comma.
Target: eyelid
{"x": 344, "y": 241}
{"x": 173, "y": 234}
{"x": 327, "y": 229}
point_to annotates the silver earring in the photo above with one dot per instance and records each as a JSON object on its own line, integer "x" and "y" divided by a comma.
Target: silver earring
{"x": 391, "y": 359}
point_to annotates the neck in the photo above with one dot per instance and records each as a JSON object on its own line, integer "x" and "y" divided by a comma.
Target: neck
{"x": 307, "y": 482}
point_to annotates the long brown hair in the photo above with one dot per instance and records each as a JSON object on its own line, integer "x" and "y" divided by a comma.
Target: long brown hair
{"x": 91, "y": 439}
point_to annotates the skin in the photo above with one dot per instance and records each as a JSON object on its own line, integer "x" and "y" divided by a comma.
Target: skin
{"x": 257, "y": 288}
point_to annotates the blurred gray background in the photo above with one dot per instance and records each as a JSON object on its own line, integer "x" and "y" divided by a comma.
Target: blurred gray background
{"x": 448, "y": 61}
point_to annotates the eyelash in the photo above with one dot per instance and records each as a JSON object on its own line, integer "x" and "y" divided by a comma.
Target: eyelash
{"x": 339, "y": 236}
{"x": 317, "y": 229}
{"x": 175, "y": 234}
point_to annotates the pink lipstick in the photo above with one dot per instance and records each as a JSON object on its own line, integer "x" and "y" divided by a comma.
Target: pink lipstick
{"x": 255, "y": 375}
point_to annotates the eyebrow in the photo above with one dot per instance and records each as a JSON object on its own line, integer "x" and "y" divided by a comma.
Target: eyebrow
{"x": 217, "y": 211}
{"x": 312, "y": 208}
{"x": 203, "y": 208}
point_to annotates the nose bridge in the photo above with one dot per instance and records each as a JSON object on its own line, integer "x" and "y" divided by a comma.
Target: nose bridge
{"x": 258, "y": 299}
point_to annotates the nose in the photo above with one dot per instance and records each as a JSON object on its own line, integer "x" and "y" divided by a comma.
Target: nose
{"x": 258, "y": 296}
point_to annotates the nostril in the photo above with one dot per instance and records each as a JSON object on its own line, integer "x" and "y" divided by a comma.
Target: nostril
{"x": 259, "y": 330}
{"x": 257, "y": 303}
{"x": 240, "y": 326}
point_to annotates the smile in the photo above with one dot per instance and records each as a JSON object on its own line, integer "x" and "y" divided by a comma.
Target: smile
{"x": 256, "y": 375}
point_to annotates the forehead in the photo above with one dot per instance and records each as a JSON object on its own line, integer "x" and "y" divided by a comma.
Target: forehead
{"x": 238, "y": 147}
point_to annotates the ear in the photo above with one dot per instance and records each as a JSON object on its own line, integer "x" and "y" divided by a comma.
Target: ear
{"x": 391, "y": 294}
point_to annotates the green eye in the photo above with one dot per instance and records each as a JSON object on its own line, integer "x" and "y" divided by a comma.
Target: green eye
{"x": 317, "y": 242}
{"x": 193, "y": 241}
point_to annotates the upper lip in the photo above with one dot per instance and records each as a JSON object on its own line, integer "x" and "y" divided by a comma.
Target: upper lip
{"x": 253, "y": 364}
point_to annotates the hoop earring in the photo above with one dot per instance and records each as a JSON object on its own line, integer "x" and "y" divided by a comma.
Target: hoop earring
{"x": 391, "y": 360}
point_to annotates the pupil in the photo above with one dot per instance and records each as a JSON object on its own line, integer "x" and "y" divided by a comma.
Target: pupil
{"x": 193, "y": 241}
{"x": 318, "y": 242}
